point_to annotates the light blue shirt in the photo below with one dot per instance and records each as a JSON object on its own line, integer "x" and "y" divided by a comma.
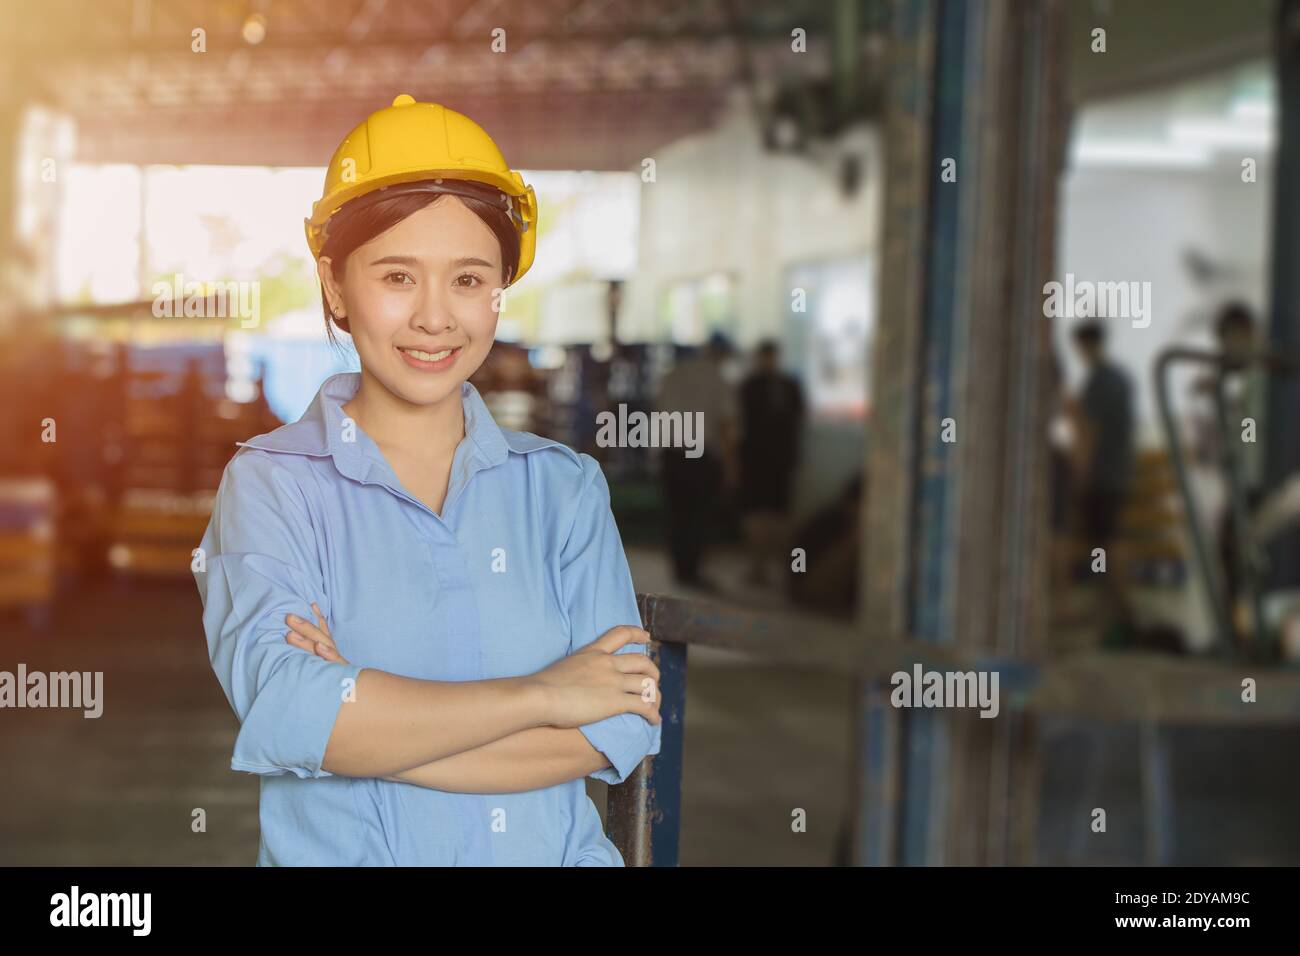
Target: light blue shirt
{"x": 524, "y": 566}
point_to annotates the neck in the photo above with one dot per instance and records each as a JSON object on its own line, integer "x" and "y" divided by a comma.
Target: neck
{"x": 421, "y": 431}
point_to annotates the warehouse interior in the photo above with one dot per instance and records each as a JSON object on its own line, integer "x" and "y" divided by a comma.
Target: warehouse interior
{"x": 882, "y": 189}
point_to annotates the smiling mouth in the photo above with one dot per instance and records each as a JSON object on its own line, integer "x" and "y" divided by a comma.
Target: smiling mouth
{"x": 428, "y": 356}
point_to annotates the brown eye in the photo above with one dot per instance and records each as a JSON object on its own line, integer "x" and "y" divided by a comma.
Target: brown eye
{"x": 474, "y": 280}
{"x": 402, "y": 275}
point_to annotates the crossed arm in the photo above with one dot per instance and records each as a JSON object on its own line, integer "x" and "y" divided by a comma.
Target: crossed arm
{"x": 515, "y": 752}
{"x": 525, "y": 760}
{"x": 496, "y": 736}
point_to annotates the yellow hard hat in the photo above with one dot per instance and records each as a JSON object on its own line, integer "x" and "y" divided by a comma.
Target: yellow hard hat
{"x": 410, "y": 142}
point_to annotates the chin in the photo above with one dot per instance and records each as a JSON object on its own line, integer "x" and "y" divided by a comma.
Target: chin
{"x": 431, "y": 393}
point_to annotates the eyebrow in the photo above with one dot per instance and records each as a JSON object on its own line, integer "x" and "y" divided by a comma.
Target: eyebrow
{"x": 412, "y": 261}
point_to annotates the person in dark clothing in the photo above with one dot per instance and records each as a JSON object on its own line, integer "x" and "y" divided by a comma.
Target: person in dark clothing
{"x": 1060, "y": 476}
{"x": 1245, "y": 395}
{"x": 1105, "y": 426}
{"x": 771, "y": 425}
{"x": 693, "y": 486}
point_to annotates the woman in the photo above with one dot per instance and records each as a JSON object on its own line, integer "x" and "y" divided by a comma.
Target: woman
{"x": 424, "y": 622}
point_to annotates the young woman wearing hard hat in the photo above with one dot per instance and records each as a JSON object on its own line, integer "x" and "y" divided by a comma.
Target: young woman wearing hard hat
{"x": 463, "y": 644}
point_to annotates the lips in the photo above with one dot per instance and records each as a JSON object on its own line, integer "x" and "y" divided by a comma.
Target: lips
{"x": 438, "y": 360}
{"x": 428, "y": 356}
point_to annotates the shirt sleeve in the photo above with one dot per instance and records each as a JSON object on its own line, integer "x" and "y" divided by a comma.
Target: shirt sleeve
{"x": 599, "y": 595}
{"x": 260, "y": 563}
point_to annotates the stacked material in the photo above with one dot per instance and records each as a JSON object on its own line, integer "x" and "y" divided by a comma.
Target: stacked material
{"x": 178, "y": 438}
{"x": 155, "y": 532}
{"x": 27, "y": 545}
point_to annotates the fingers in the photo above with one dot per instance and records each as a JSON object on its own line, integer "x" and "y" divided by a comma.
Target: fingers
{"x": 647, "y": 709}
{"x": 641, "y": 696}
{"x": 635, "y": 702}
{"x": 331, "y": 651}
{"x": 297, "y": 640}
{"x": 308, "y": 630}
{"x": 619, "y": 636}
{"x": 311, "y": 647}
{"x": 644, "y": 687}
{"x": 319, "y": 648}
{"x": 313, "y": 638}
{"x": 329, "y": 654}
{"x": 635, "y": 664}
{"x": 650, "y": 691}
{"x": 320, "y": 620}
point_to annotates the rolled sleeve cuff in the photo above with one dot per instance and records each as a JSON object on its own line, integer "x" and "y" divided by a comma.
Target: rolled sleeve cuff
{"x": 289, "y": 726}
{"x": 625, "y": 740}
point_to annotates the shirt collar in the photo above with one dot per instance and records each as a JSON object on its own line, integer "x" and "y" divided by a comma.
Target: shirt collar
{"x": 320, "y": 432}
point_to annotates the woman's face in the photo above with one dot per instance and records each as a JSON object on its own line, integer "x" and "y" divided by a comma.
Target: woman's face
{"x": 420, "y": 300}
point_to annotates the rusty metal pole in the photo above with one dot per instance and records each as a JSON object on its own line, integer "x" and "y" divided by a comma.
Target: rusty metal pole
{"x": 1282, "y": 441}
{"x": 955, "y": 532}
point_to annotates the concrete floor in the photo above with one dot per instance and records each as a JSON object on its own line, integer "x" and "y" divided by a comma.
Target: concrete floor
{"x": 121, "y": 790}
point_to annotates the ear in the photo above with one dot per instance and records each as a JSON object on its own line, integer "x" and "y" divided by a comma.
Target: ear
{"x": 332, "y": 291}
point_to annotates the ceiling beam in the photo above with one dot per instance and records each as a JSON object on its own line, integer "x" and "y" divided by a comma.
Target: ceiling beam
{"x": 544, "y": 131}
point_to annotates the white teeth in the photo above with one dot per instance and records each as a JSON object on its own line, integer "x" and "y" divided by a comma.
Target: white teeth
{"x": 428, "y": 356}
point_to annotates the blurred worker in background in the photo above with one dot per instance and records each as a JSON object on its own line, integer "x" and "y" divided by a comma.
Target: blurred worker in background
{"x": 1244, "y": 387}
{"x": 1104, "y": 461}
{"x": 771, "y": 426}
{"x": 693, "y": 486}
{"x": 1060, "y": 438}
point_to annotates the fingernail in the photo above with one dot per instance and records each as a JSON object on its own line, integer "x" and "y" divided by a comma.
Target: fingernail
{"x": 293, "y": 619}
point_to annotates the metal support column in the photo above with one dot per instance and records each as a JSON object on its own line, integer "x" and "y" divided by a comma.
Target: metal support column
{"x": 1282, "y": 448}
{"x": 956, "y": 534}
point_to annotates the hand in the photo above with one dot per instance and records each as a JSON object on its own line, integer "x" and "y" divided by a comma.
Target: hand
{"x": 594, "y": 683}
{"x": 314, "y": 639}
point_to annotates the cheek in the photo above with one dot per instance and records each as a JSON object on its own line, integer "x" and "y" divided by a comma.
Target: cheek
{"x": 480, "y": 323}
{"x": 378, "y": 317}
{"x": 387, "y": 311}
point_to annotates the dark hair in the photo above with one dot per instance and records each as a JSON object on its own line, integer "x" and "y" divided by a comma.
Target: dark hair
{"x": 1090, "y": 332}
{"x": 365, "y": 217}
{"x": 1234, "y": 317}
{"x": 767, "y": 347}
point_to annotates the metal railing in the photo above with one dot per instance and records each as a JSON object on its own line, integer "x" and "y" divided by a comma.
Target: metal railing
{"x": 643, "y": 813}
{"x": 1247, "y": 552}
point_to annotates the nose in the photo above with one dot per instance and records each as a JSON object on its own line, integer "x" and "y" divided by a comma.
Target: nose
{"x": 433, "y": 313}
